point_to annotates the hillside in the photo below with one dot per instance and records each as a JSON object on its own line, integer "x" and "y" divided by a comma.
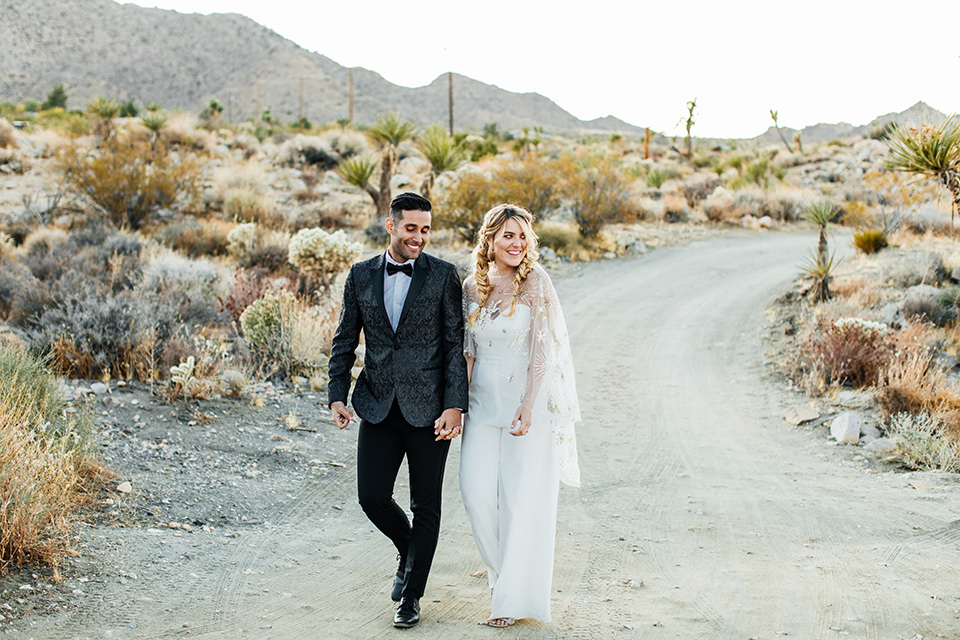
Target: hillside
{"x": 920, "y": 112}
{"x": 100, "y": 47}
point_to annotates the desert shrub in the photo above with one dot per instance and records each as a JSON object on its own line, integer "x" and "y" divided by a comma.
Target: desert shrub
{"x": 267, "y": 326}
{"x": 191, "y": 278}
{"x": 241, "y": 239}
{"x": 248, "y": 176}
{"x": 308, "y": 150}
{"x": 8, "y": 136}
{"x": 196, "y": 238}
{"x": 846, "y": 351}
{"x": 88, "y": 333}
{"x": 924, "y": 443}
{"x": 346, "y": 143}
{"x": 696, "y": 192}
{"x": 14, "y": 279}
{"x": 912, "y": 383}
{"x": 313, "y": 329}
{"x": 243, "y": 205}
{"x": 129, "y": 181}
{"x": 675, "y": 208}
{"x": 597, "y": 195}
{"x": 44, "y": 240}
{"x": 247, "y": 287}
{"x": 559, "y": 236}
{"x": 269, "y": 256}
{"x": 321, "y": 257}
{"x": 919, "y": 267}
{"x": 533, "y": 183}
{"x": 870, "y": 240}
{"x": 47, "y": 463}
{"x": 926, "y": 310}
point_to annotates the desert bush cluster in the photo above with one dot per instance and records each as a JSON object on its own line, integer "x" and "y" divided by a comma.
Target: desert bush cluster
{"x": 202, "y": 255}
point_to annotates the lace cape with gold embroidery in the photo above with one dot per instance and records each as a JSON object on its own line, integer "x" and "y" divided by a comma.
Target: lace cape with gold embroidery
{"x": 551, "y": 393}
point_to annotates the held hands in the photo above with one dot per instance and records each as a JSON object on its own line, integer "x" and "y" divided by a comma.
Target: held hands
{"x": 448, "y": 425}
{"x": 521, "y": 422}
{"x": 341, "y": 415}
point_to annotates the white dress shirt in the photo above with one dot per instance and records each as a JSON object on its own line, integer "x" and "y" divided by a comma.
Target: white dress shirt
{"x": 395, "y": 290}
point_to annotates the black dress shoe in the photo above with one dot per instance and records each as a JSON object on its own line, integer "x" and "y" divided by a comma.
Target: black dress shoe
{"x": 408, "y": 615}
{"x": 397, "y": 592}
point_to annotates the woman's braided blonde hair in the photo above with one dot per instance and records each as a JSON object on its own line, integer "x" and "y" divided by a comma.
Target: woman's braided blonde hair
{"x": 483, "y": 253}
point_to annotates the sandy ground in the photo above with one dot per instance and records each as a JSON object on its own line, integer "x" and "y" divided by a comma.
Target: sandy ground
{"x": 703, "y": 514}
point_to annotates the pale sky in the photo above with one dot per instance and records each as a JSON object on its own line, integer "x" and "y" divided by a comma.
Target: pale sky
{"x": 816, "y": 61}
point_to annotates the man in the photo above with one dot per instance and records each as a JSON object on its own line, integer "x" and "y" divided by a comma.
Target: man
{"x": 408, "y": 305}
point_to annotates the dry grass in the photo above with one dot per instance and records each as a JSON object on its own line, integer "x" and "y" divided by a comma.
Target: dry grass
{"x": 46, "y": 465}
{"x": 858, "y": 292}
{"x": 8, "y": 136}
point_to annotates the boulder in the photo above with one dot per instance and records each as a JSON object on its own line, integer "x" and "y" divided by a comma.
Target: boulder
{"x": 845, "y": 428}
{"x": 881, "y": 446}
{"x": 800, "y": 414}
{"x": 98, "y": 388}
{"x": 921, "y": 293}
{"x": 399, "y": 180}
{"x": 765, "y": 222}
{"x": 868, "y": 430}
{"x": 547, "y": 254}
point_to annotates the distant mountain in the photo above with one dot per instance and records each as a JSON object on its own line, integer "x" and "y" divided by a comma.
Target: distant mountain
{"x": 920, "y": 112}
{"x": 100, "y": 47}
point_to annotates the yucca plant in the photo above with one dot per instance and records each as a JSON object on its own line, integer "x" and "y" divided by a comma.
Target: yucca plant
{"x": 155, "y": 121}
{"x": 441, "y": 151}
{"x": 105, "y": 110}
{"x": 820, "y": 267}
{"x": 822, "y": 214}
{"x": 388, "y": 132}
{"x": 930, "y": 152}
{"x": 357, "y": 170}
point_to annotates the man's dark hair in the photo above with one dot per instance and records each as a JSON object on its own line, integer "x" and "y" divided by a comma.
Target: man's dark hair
{"x": 408, "y": 201}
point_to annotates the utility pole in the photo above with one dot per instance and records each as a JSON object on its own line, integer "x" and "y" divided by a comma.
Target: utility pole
{"x": 646, "y": 145}
{"x": 351, "y": 95}
{"x": 300, "y": 117}
{"x": 258, "y": 104}
{"x": 450, "y": 92}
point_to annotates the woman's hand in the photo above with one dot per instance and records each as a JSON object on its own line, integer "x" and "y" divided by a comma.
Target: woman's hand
{"x": 521, "y": 422}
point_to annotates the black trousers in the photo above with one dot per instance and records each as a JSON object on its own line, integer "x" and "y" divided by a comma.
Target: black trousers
{"x": 380, "y": 450}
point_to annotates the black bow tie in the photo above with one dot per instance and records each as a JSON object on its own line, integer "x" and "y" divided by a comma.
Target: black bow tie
{"x": 393, "y": 269}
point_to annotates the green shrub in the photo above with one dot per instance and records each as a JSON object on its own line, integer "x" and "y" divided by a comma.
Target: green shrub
{"x": 267, "y": 326}
{"x": 870, "y": 240}
{"x": 322, "y": 256}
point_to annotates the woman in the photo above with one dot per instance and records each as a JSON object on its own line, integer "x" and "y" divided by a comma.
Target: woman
{"x": 518, "y": 439}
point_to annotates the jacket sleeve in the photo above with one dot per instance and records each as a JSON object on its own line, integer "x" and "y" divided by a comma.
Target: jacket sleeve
{"x": 455, "y": 393}
{"x": 345, "y": 341}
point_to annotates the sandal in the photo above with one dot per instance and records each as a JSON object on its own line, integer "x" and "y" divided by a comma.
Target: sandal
{"x": 500, "y": 623}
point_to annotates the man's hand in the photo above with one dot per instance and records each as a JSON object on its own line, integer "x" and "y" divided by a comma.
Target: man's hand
{"x": 521, "y": 422}
{"x": 341, "y": 415}
{"x": 448, "y": 425}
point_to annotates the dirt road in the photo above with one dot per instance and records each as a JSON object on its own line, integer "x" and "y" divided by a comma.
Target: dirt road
{"x": 703, "y": 514}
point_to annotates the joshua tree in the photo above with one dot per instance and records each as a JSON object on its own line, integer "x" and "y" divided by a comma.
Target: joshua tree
{"x": 930, "y": 152}
{"x": 798, "y": 142}
{"x": 212, "y": 113}
{"x": 389, "y": 132}
{"x": 773, "y": 114}
{"x": 358, "y": 170}
{"x": 441, "y": 151}
{"x": 821, "y": 264}
{"x": 688, "y": 124}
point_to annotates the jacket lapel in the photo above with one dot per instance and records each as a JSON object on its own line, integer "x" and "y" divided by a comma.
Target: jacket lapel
{"x": 420, "y": 270}
{"x": 376, "y": 275}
